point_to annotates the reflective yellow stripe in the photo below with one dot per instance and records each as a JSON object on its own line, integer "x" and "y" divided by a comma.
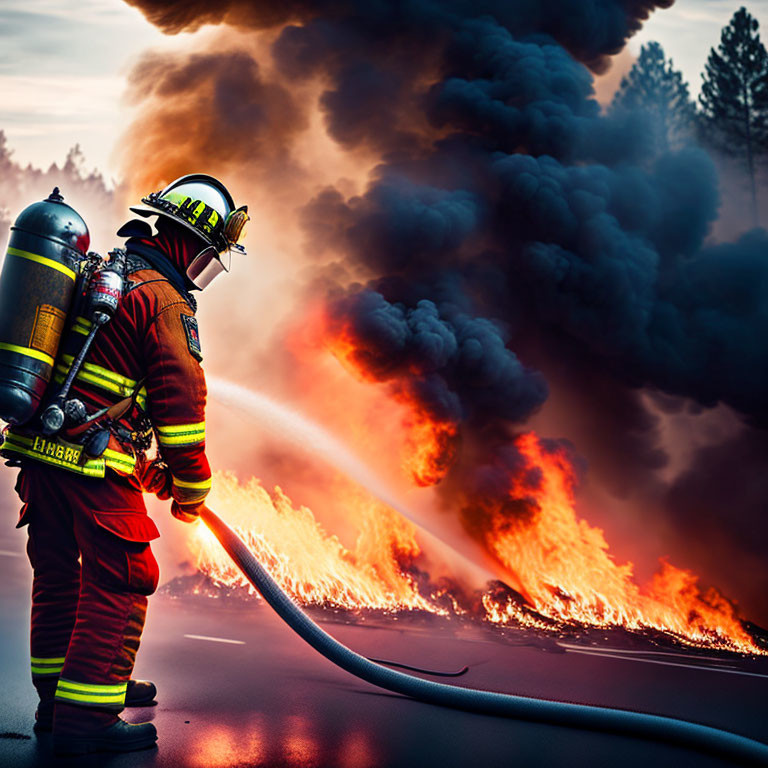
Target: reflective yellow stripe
{"x": 97, "y": 381}
{"x": 12, "y": 437}
{"x": 92, "y": 378}
{"x": 181, "y": 440}
{"x": 46, "y": 666}
{"x": 43, "y": 260}
{"x": 82, "y": 326}
{"x": 122, "y": 462}
{"x": 104, "y": 373}
{"x": 90, "y": 693}
{"x": 47, "y": 670}
{"x": 119, "y": 461}
{"x": 181, "y": 429}
{"x": 102, "y": 378}
{"x": 90, "y": 698}
{"x": 189, "y": 491}
{"x": 181, "y": 434}
{"x": 36, "y": 353}
{"x": 199, "y": 485}
{"x": 23, "y": 445}
{"x": 93, "y": 687}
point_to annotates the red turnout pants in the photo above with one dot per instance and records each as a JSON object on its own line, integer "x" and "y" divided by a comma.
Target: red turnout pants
{"x": 93, "y": 569}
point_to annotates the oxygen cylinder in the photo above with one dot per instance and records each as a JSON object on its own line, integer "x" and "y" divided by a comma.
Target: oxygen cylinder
{"x": 48, "y": 241}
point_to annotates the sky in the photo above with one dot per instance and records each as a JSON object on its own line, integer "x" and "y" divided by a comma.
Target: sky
{"x": 62, "y": 74}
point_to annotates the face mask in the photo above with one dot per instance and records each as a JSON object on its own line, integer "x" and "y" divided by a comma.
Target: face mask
{"x": 207, "y": 265}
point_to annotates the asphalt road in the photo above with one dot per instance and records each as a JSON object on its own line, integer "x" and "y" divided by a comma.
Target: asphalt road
{"x": 238, "y": 688}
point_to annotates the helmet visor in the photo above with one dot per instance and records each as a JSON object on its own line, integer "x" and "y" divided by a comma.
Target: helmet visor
{"x": 206, "y": 266}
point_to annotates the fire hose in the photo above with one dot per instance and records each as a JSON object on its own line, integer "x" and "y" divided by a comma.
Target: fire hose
{"x": 682, "y": 733}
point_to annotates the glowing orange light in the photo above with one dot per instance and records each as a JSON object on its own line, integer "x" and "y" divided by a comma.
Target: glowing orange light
{"x": 562, "y": 565}
{"x": 565, "y": 567}
{"x": 310, "y": 564}
{"x": 429, "y": 447}
{"x": 562, "y": 562}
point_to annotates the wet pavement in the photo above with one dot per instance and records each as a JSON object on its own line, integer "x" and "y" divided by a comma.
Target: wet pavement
{"x": 238, "y": 688}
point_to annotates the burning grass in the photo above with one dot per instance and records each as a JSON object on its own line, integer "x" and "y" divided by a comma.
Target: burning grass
{"x": 572, "y": 583}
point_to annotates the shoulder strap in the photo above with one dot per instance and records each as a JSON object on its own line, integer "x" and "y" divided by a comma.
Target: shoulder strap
{"x": 135, "y": 263}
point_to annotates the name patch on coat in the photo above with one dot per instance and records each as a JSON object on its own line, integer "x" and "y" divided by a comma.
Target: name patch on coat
{"x": 193, "y": 336}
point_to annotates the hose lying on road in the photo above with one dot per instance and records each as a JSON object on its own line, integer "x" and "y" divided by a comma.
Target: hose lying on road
{"x": 679, "y": 732}
{"x": 434, "y": 673}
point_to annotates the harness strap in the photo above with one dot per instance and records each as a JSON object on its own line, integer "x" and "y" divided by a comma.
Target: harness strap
{"x": 103, "y": 378}
{"x": 60, "y": 453}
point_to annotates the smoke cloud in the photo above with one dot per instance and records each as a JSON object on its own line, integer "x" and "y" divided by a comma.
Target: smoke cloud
{"x": 217, "y": 102}
{"x": 456, "y": 367}
{"x": 511, "y": 231}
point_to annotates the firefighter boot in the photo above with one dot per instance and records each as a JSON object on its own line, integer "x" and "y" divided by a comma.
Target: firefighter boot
{"x": 82, "y": 730}
{"x": 46, "y": 690}
{"x": 140, "y": 693}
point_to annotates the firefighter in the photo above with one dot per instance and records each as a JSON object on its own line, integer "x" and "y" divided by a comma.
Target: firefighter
{"x": 88, "y": 530}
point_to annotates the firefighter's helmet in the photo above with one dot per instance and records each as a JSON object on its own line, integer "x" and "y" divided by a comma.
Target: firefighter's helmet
{"x": 203, "y": 205}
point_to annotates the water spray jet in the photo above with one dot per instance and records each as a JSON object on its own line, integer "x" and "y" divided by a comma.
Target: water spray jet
{"x": 309, "y": 436}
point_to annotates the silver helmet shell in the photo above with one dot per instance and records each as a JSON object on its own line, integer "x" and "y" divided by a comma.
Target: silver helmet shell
{"x": 203, "y": 205}
{"x": 197, "y": 201}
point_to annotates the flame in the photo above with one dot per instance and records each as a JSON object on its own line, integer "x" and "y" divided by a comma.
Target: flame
{"x": 566, "y": 570}
{"x": 560, "y": 566}
{"x": 563, "y": 564}
{"x": 429, "y": 447}
{"x": 310, "y": 564}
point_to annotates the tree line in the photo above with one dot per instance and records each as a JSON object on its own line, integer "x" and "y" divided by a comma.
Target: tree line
{"x": 731, "y": 116}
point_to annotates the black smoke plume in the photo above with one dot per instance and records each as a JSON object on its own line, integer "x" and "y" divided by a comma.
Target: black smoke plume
{"x": 509, "y": 216}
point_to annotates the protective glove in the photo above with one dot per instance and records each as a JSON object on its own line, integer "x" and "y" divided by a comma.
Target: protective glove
{"x": 156, "y": 478}
{"x": 187, "y": 513}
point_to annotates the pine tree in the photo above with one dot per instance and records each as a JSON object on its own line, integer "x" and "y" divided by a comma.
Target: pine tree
{"x": 655, "y": 87}
{"x": 9, "y": 187}
{"x": 9, "y": 171}
{"x": 734, "y": 95}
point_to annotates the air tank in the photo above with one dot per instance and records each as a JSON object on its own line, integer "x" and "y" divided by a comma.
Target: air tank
{"x": 48, "y": 241}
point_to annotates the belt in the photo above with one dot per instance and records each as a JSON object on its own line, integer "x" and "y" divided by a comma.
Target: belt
{"x": 69, "y": 456}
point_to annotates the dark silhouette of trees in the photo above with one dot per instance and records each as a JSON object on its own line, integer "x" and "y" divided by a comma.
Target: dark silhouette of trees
{"x": 86, "y": 190}
{"x": 734, "y": 96}
{"x": 653, "y": 86}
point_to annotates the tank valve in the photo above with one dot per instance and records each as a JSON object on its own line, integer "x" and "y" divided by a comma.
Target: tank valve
{"x": 75, "y": 412}
{"x": 105, "y": 289}
{"x": 52, "y": 419}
